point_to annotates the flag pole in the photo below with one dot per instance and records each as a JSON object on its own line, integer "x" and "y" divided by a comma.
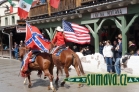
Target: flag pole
{"x": 78, "y": 3}
{"x": 49, "y": 7}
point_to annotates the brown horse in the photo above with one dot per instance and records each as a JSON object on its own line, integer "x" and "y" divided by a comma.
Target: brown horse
{"x": 43, "y": 62}
{"x": 65, "y": 60}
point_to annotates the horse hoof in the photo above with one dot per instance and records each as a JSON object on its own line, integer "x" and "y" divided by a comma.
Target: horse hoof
{"x": 49, "y": 88}
{"x": 62, "y": 84}
{"x": 45, "y": 77}
{"x": 29, "y": 86}
{"x": 56, "y": 82}
{"x": 54, "y": 90}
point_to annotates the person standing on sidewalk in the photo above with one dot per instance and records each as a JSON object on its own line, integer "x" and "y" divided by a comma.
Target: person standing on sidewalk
{"x": 119, "y": 55}
{"x": 108, "y": 55}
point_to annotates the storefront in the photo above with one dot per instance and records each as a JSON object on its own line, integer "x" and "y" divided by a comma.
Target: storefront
{"x": 110, "y": 18}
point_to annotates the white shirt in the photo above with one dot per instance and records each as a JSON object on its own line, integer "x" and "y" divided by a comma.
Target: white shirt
{"x": 107, "y": 51}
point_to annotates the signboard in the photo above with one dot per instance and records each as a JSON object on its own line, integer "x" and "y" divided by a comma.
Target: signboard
{"x": 20, "y": 29}
{"x": 107, "y": 13}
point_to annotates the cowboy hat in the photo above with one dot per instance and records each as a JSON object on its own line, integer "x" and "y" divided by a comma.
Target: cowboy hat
{"x": 59, "y": 29}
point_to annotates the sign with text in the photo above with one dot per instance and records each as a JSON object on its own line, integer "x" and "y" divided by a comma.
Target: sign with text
{"x": 104, "y": 80}
{"x": 107, "y": 13}
{"x": 21, "y": 29}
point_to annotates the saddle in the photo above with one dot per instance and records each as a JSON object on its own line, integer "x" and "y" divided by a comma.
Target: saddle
{"x": 59, "y": 50}
{"x": 34, "y": 54}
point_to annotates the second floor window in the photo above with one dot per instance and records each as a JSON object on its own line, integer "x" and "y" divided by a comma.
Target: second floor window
{"x": 13, "y": 20}
{"x": 6, "y": 21}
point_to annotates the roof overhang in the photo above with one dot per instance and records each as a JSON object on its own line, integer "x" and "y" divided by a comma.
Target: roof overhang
{"x": 53, "y": 19}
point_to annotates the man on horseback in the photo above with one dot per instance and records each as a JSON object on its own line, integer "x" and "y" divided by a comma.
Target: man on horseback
{"x": 59, "y": 40}
{"x": 33, "y": 51}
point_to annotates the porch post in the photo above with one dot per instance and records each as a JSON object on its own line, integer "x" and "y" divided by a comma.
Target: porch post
{"x": 96, "y": 38}
{"x": 124, "y": 29}
{"x": 95, "y": 35}
{"x": 124, "y": 37}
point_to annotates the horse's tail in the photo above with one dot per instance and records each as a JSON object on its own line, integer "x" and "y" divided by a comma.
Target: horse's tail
{"x": 79, "y": 63}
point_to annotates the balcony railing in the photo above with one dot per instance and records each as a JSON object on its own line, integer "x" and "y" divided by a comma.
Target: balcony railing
{"x": 65, "y": 5}
{"x": 43, "y": 9}
{"x": 38, "y": 10}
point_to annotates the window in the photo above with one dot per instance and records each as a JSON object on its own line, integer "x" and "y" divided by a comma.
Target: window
{"x": 13, "y": 20}
{"x": 6, "y": 21}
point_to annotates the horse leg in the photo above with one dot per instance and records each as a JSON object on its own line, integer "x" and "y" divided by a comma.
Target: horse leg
{"x": 67, "y": 75}
{"x": 25, "y": 80}
{"x": 57, "y": 78}
{"x": 47, "y": 73}
{"x": 29, "y": 85}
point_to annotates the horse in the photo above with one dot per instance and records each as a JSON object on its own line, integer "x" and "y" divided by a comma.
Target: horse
{"x": 67, "y": 58}
{"x": 43, "y": 62}
{"x": 22, "y": 51}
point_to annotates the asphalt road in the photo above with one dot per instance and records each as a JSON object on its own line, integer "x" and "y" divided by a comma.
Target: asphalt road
{"x": 11, "y": 82}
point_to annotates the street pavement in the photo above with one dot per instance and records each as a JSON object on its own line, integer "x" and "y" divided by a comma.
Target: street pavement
{"x": 11, "y": 82}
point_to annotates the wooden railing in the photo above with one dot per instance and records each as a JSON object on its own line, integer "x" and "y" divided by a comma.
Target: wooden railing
{"x": 4, "y": 53}
{"x": 43, "y": 9}
{"x": 38, "y": 10}
{"x": 64, "y": 5}
{"x": 85, "y": 1}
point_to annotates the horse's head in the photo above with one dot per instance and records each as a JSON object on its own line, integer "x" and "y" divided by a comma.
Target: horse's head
{"x": 22, "y": 51}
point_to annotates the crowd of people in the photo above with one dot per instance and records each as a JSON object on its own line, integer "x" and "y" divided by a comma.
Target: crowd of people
{"x": 15, "y": 49}
{"x": 113, "y": 53}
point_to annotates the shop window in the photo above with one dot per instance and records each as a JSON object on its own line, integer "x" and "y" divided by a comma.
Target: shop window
{"x": 13, "y": 20}
{"x": 6, "y": 21}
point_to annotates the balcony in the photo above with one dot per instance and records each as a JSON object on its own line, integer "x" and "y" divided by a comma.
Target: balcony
{"x": 67, "y": 7}
{"x": 42, "y": 9}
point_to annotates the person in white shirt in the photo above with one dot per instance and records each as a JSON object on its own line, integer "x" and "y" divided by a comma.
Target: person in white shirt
{"x": 108, "y": 55}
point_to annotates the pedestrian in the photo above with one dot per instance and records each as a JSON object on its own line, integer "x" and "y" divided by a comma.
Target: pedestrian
{"x": 108, "y": 55}
{"x": 118, "y": 49}
{"x": 137, "y": 53}
{"x": 15, "y": 49}
{"x": 75, "y": 49}
{"x": 21, "y": 44}
{"x": 101, "y": 46}
{"x": 87, "y": 51}
{"x": 131, "y": 48}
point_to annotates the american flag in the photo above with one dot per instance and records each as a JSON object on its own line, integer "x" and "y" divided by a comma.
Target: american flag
{"x": 35, "y": 40}
{"x": 76, "y": 33}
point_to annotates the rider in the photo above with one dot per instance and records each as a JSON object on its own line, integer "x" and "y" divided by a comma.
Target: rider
{"x": 33, "y": 50}
{"x": 58, "y": 40}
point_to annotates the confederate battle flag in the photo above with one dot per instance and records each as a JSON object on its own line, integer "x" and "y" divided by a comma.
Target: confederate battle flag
{"x": 35, "y": 40}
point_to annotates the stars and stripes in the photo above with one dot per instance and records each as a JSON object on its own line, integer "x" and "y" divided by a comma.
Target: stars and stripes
{"x": 75, "y": 33}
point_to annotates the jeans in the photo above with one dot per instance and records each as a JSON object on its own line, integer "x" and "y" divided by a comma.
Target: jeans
{"x": 42, "y": 1}
{"x": 109, "y": 64}
{"x": 117, "y": 66}
{"x": 16, "y": 55}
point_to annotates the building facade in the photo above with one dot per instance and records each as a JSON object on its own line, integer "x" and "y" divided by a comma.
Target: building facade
{"x": 109, "y": 17}
{"x": 8, "y": 28}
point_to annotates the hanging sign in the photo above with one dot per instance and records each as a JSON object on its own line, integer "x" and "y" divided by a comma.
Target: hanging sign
{"x": 20, "y": 29}
{"x": 107, "y": 13}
